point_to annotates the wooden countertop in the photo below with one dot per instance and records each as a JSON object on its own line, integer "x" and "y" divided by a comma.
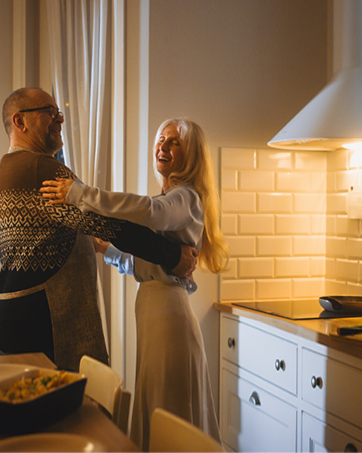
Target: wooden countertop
{"x": 323, "y": 331}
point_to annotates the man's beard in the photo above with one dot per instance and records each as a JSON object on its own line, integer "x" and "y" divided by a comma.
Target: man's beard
{"x": 53, "y": 143}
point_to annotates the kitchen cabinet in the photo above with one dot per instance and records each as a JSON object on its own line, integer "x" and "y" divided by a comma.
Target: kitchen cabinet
{"x": 248, "y": 412}
{"x": 318, "y": 436}
{"x": 283, "y": 391}
{"x": 275, "y": 361}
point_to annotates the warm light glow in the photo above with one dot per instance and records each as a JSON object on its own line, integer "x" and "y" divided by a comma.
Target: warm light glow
{"x": 357, "y": 146}
{"x": 355, "y": 159}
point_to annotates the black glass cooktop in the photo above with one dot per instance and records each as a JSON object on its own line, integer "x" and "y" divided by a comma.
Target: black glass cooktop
{"x": 294, "y": 309}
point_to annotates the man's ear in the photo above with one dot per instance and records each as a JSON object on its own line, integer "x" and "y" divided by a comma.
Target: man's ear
{"x": 18, "y": 121}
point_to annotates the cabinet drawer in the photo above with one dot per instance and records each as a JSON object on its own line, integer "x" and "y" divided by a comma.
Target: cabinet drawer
{"x": 318, "y": 436}
{"x": 332, "y": 385}
{"x": 268, "y": 356}
{"x": 255, "y": 420}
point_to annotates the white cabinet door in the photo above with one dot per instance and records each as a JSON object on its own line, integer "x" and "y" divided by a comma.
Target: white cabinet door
{"x": 332, "y": 386}
{"x": 254, "y": 420}
{"x": 320, "y": 437}
{"x": 268, "y": 356}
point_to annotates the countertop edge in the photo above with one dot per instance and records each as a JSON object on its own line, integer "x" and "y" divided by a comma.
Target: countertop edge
{"x": 323, "y": 331}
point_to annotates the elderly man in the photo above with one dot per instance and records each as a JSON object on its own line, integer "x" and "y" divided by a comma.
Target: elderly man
{"x": 48, "y": 294}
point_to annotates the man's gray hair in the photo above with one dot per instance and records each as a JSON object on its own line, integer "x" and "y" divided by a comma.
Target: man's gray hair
{"x": 17, "y": 100}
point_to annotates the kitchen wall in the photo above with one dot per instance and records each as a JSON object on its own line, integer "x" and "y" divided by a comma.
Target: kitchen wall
{"x": 273, "y": 205}
{"x": 284, "y": 214}
{"x": 241, "y": 69}
{"x": 6, "y": 58}
{"x": 21, "y": 51}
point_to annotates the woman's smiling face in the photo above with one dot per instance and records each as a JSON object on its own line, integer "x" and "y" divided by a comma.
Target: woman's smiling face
{"x": 169, "y": 152}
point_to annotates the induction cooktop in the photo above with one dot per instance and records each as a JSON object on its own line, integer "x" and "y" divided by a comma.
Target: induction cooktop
{"x": 294, "y": 309}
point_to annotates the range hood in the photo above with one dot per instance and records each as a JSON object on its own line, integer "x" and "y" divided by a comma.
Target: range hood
{"x": 333, "y": 119}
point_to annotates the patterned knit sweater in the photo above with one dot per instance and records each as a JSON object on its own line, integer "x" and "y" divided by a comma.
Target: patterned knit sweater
{"x": 44, "y": 247}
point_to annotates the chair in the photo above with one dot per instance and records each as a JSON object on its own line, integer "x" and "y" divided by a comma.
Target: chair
{"x": 104, "y": 386}
{"x": 171, "y": 433}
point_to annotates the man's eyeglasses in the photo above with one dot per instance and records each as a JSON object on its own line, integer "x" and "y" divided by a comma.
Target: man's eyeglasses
{"x": 52, "y": 111}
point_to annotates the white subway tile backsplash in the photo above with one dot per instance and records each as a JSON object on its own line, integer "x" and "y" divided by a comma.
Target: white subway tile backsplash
{"x": 307, "y": 287}
{"x": 333, "y": 287}
{"x": 229, "y": 224}
{"x": 336, "y": 203}
{"x": 354, "y": 289}
{"x": 309, "y": 202}
{"x": 318, "y": 182}
{"x": 230, "y": 179}
{"x": 346, "y": 179}
{"x": 238, "y": 202}
{"x": 346, "y": 227}
{"x": 274, "y": 160}
{"x": 354, "y": 159}
{"x": 256, "y": 181}
{"x": 317, "y": 266}
{"x": 284, "y": 218}
{"x": 317, "y": 224}
{"x": 274, "y": 246}
{"x": 238, "y": 158}
{"x": 315, "y": 161}
{"x": 331, "y": 268}
{"x": 273, "y": 289}
{"x": 308, "y": 245}
{"x": 346, "y": 270}
{"x": 274, "y": 203}
{"x": 331, "y": 229}
{"x": 292, "y": 267}
{"x": 354, "y": 248}
{"x": 338, "y": 160}
{"x": 293, "y": 182}
{"x": 237, "y": 290}
{"x": 256, "y": 267}
{"x": 241, "y": 245}
{"x": 292, "y": 224}
{"x": 336, "y": 247}
{"x": 256, "y": 224}
{"x": 331, "y": 183}
{"x": 232, "y": 270}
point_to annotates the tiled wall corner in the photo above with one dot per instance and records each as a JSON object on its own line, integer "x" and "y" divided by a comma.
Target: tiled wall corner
{"x": 274, "y": 222}
{"x": 284, "y": 215}
{"x": 343, "y": 234}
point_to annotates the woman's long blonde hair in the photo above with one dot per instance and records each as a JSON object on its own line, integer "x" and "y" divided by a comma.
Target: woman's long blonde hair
{"x": 197, "y": 172}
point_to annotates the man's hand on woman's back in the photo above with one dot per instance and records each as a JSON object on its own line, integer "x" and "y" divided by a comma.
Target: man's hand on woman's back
{"x": 187, "y": 263}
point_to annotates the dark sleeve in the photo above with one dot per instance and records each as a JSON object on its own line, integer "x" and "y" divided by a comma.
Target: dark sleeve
{"x": 142, "y": 242}
{"x": 129, "y": 237}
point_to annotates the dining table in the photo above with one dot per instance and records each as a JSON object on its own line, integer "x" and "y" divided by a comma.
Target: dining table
{"x": 88, "y": 421}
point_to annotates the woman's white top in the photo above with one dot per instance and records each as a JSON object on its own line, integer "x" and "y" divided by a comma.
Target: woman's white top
{"x": 176, "y": 214}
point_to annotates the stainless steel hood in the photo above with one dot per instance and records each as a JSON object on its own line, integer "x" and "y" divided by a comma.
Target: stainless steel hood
{"x": 333, "y": 119}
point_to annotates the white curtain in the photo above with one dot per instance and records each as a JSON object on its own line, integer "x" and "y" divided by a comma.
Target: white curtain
{"x": 80, "y": 52}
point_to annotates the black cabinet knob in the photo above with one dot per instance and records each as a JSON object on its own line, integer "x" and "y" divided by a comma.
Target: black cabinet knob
{"x": 350, "y": 448}
{"x": 231, "y": 342}
{"x": 279, "y": 365}
{"x": 316, "y": 382}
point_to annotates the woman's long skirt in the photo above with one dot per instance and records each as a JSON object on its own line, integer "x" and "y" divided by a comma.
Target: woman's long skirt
{"x": 172, "y": 371}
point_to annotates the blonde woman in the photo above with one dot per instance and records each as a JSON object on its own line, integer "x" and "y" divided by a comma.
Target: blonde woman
{"x": 172, "y": 371}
